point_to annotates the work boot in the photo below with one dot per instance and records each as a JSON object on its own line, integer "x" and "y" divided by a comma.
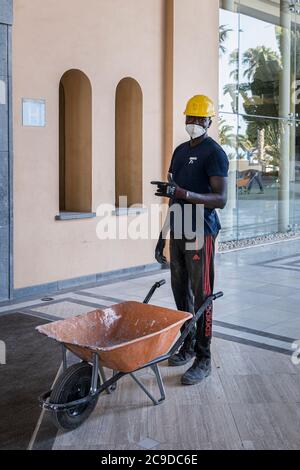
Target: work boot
{"x": 183, "y": 356}
{"x": 200, "y": 369}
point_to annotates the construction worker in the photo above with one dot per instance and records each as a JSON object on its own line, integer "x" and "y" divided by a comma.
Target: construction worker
{"x": 198, "y": 176}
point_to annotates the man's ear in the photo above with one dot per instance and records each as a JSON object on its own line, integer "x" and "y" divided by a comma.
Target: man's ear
{"x": 210, "y": 122}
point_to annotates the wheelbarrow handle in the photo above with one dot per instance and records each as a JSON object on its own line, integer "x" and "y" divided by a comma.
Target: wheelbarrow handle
{"x": 153, "y": 289}
{"x": 193, "y": 321}
{"x": 217, "y": 295}
{"x": 160, "y": 283}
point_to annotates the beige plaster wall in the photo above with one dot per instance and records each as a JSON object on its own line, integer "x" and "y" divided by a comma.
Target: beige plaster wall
{"x": 107, "y": 40}
{"x": 196, "y": 58}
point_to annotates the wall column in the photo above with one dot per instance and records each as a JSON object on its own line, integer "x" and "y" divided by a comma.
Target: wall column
{"x": 229, "y": 5}
{"x": 284, "y": 110}
{"x": 168, "y": 84}
{"x": 6, "y": 281}
{"x": 231, "y": 207}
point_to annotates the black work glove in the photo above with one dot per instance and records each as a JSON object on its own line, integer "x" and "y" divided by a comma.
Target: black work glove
{"x": 170, "y": 189}
{"x": 159, "y": 251}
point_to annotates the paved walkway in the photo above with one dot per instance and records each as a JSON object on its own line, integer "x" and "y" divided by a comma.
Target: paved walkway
{"x": 252, "y": 399}
{"x": 260, "y": 305}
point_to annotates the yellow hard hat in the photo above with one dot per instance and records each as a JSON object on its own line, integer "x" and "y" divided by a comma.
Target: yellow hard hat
{"x": 200, "y": 106}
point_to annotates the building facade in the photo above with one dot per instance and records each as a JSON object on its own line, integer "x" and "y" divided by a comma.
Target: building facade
{"x": 99, "y": 89}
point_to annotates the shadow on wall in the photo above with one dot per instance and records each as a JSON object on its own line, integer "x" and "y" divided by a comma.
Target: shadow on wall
{"x": 129, "y": 141}
{"x": 75, "y": 142}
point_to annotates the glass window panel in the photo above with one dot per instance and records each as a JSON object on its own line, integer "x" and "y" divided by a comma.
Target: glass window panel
{"x": 228, "y": 129}
{"x": 266, "y": 71}
{"x": 295, "y": 176}
{"x": 266, "y": 58}
{"x": 228, "y": 51}
{"x": 296, "y": 64}
{"x": 264, "y": 150}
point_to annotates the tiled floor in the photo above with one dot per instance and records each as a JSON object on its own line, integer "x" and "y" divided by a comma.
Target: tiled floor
{"x": 252, "y": 398}
{"x": 64, "y": 309}
{"x": 261, "y": 292}
{"x": 251, "y": 401}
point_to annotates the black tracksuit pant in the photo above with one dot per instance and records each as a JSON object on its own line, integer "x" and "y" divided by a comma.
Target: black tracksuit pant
{"x": 192, "y": 280}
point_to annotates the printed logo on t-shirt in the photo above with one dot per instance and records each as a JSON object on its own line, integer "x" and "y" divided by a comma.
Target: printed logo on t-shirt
{"x": 192, "y": 160}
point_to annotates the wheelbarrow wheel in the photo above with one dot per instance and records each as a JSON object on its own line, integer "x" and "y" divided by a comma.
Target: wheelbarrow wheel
{"x": 72, "y": 385}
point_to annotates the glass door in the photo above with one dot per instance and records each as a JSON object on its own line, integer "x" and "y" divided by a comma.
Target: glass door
{"x": 266, "y": 77}
{"x": 295, "y": 128}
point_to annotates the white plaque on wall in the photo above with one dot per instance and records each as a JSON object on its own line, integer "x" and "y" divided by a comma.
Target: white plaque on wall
{"x": 34, "y": 112}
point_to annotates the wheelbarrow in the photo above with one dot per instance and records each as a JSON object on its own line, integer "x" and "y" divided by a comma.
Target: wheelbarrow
{"x": 126, "y": 337}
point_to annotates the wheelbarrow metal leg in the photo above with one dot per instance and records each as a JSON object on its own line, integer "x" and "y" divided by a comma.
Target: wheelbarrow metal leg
{"x": 140, "y": 384}
{"x": 157, "y": 373}
{"x": 160, "y": 384}
{"x": 64, "y": 357}
{"x": 114, "y": 386}
{"x": 102, "y": 374}
{"x": 95, "y": 374}
{"x": 104, "y": 379}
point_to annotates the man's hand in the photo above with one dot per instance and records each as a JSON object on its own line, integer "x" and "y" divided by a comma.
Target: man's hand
{"x": 170, "y": 189}
{"x": 164, "y": 189}
{"x": 159, "y": 251}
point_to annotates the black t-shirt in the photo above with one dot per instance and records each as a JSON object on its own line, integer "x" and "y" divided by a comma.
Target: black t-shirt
{"x": 191, "y": 168}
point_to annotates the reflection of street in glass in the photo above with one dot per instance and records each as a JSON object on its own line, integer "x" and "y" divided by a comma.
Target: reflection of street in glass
{"x": 248, "y": 179}
{"x": 259, "y": 119}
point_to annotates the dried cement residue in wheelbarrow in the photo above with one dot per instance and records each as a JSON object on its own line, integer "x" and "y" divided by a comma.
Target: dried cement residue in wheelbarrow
{"x": 126, "y": 336}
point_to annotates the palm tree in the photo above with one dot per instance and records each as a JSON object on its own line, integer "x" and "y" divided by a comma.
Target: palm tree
{"x": 261, "y": 69}
{"x": 226, "y": 134}
{"x": 234, "y": 62}
{"x": 272, "y": 154}
{"x": 272, "y": 130}
{"x": 232, "y": 88}
{"x": 259, "y": 57}
{"x": 223, "y": 35}
{"x": 244, "y": 143}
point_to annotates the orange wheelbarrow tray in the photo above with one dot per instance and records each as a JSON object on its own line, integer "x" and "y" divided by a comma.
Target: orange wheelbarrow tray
{"x": 125, "y": 338}
{"x": 242, "y": 182}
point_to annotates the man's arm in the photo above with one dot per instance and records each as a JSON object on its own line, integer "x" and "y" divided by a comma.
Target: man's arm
{"x": 159, "y": 250}
{"x": 217, "y": 199}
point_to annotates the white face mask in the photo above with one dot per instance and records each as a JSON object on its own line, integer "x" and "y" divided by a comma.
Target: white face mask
{"x": 195, "y": 131}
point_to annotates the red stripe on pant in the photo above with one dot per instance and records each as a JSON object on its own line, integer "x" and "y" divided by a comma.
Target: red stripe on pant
{"x": 207, "y": 285}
